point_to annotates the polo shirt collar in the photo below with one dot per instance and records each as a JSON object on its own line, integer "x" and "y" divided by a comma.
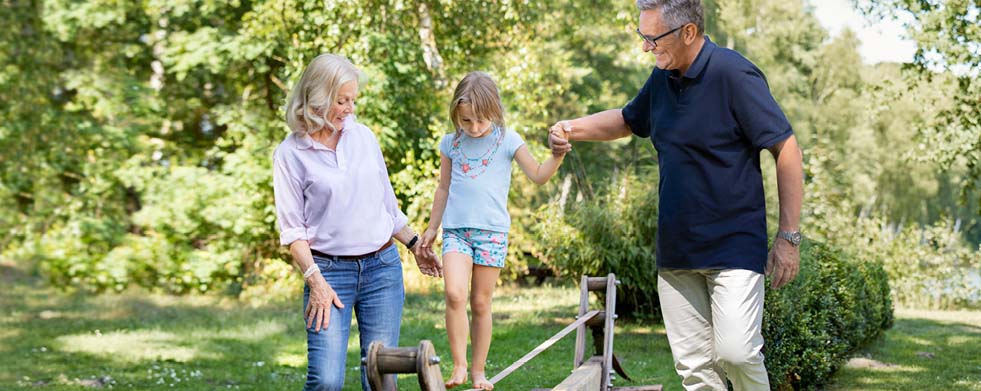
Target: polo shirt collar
{"x": 701, "y": 59}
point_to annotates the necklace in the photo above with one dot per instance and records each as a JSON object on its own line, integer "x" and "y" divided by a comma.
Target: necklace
{"x": 477, "y": 166}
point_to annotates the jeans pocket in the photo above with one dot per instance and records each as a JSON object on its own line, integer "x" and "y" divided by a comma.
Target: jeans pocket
{"x": 323, "y": 263}
{"x": 390, "y": 256}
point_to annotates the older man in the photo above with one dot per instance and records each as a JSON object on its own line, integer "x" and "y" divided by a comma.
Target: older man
{"x": 709, "y": 114}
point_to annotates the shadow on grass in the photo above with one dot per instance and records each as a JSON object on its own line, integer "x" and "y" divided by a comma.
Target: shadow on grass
{"x": 917, "y": 354}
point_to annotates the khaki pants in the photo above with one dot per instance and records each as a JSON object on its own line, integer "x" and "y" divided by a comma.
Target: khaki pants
{"x": 714, "y": 324}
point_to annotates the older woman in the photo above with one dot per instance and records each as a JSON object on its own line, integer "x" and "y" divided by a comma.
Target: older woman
{"x": 338, "y": 214}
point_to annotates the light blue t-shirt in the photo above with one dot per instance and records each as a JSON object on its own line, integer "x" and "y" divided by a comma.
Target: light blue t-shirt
{"x": 480, "y": 180}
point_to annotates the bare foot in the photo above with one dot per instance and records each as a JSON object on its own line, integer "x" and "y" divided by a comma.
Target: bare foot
{"x": 480, "y": 381}
{"x": 458, "y": 377}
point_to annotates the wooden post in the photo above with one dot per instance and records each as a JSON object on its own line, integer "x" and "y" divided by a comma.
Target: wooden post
{"x": 581, "y": 330}
{"x": 421, "y": 360}
{"x": 611, "y": 315}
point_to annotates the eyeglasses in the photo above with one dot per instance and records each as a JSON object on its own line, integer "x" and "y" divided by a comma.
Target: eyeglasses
{"x": 653, "y": 40}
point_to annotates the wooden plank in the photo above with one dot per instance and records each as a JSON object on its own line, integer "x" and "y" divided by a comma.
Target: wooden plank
{"x": 541, "y": 348}
{"x": 581, "y": 330}
{"x": 611, "y": 314}
{"x": 588, "y": 377}
{"x": 653, "y": 387}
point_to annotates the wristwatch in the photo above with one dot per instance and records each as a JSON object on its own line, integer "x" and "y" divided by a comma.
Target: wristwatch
{"x": 793, "y": 237}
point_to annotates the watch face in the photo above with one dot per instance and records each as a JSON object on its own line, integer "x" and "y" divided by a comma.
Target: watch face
{"x": 795, "y": 238}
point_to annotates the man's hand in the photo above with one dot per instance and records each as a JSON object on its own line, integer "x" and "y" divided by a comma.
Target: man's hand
{"x": 558, "y": 138}
{"x": 783, "y": 263}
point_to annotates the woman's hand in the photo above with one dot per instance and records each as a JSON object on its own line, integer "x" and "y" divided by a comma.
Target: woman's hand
{"x": 425, "y": 257}
{"x": 322, "y": 296}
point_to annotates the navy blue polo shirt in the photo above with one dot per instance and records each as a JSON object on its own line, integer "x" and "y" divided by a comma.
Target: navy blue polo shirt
{"x": 709, "y": 127}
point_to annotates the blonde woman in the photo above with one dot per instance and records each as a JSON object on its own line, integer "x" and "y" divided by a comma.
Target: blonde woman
{"x": 338, "y": 214}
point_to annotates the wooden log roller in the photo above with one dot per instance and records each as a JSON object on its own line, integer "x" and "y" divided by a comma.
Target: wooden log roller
{"x": 421, "y": 360}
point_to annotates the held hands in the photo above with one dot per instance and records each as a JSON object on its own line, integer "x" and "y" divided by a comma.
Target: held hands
{"x": 783, "y": 263}
{"x": 322, "y": 296}
{"x": 558, "y": 138}
{"x": 427, "y": 260}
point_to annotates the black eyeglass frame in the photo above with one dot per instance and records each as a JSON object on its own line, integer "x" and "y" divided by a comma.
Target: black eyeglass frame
{"x": 653, "y": 41}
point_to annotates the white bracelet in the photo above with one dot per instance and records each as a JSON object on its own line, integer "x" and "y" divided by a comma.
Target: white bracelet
{"x": 310, "y": 270}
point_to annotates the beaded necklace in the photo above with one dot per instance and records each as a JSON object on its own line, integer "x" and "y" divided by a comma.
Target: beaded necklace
{"x": 477, "y": 166}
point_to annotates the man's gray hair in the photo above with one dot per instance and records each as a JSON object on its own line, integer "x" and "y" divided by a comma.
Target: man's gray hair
{"x": 676, "y": 12}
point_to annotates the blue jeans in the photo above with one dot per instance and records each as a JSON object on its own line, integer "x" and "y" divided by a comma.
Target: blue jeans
{"x": 370, "y": 287}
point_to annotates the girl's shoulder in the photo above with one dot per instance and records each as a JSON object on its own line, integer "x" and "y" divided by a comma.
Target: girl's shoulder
{"x": 512, "y": 137}
{"x": 446, "y": 142}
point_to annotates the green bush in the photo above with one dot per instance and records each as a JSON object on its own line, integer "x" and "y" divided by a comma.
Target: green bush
{"x": 610, "y": 233}
{"x": 836, "y": 304}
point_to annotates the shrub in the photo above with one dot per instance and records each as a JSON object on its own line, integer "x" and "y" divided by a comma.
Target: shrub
{"x": 611, "y": 233}
{"x": 835, "y": 305}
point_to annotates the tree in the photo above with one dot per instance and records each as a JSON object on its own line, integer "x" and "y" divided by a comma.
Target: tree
{"x": 948, "y": 43}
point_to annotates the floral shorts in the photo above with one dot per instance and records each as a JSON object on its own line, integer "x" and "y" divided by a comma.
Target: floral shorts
{"x": 487, "y": 248}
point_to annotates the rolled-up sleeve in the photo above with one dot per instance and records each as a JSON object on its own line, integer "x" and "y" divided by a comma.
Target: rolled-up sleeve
{"x": 288, "y": 193}
{"x": 399, "y": 220}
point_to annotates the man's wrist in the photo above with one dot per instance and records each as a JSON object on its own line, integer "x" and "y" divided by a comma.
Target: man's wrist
{"x": 794, "y": 237}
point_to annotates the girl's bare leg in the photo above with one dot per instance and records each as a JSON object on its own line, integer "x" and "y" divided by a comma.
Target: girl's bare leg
{"x": 456, "y": 277}
{"x": 483, "y": 283}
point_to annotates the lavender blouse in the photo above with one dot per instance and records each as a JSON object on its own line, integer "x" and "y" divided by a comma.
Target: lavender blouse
{"x": 339, "y": 200}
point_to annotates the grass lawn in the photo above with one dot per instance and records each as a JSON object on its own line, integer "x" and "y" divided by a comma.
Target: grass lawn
{"x": 55, "y": 341}
{"x": 924, "y": 350}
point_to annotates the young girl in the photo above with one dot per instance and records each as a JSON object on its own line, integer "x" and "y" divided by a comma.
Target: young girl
{"x": 471, "y": 204}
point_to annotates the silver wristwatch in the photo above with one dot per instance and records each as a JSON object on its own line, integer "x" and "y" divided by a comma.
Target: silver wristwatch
{"x": 793, "y": 237}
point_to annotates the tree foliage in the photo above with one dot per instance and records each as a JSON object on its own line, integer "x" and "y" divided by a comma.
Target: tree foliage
{"x": 135, "y": 137}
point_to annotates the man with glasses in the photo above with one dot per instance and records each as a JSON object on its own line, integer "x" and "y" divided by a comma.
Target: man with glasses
{"x": 709, "y": 114}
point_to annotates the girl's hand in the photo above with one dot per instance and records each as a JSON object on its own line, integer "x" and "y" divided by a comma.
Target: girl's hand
{"x": 428, "y": 238}
{"x": 322, "y": 296}
{"x": 558, "y": 138}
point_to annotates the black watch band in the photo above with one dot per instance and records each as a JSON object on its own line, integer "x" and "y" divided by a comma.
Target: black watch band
{"x": 415, "y": 238}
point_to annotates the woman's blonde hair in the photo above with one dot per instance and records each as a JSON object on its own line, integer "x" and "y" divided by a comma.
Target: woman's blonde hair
{"x": 478, "y": 90}
{"x": 312, "y": 96}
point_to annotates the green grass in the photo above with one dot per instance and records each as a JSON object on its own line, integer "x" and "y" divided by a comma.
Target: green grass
{"x": 56, "y": 341}
{"x": 924, "y": 350}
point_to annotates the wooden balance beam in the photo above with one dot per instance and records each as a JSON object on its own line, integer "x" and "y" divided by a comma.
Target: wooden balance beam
{"x": 593, "y": 374}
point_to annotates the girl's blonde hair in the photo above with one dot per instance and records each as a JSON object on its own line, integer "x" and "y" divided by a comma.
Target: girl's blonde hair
{"x": 478, "y": 90}
{"x": 312, "y": 96}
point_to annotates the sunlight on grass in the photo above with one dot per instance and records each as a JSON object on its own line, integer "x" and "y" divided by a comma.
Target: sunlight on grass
{"x": 925, "y": 350}
{"x": 8, "y": 333}
{"x": 130, "y": 346}
{"x": 878, "y": 366}
{"x": 294, "y": 360}
{"x": 248, "y": 332}
{"x": 960, "y": 316}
